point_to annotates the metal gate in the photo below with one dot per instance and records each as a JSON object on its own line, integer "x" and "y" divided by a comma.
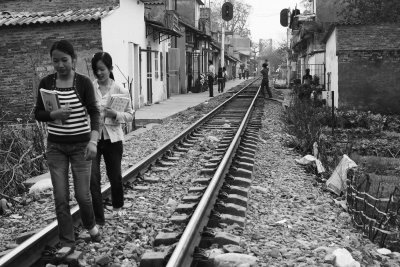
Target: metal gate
{"x": 317, "y": 71}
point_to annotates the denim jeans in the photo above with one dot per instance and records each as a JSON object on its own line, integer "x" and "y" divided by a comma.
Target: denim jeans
{"x": 112, "y": 154}
{"x": 59, "y": 157}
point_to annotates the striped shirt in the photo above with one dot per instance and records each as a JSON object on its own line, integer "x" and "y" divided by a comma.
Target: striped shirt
{"x": 77, "y": 123}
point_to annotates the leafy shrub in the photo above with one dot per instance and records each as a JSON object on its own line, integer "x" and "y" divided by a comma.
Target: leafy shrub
{"x": 305, "y": 120}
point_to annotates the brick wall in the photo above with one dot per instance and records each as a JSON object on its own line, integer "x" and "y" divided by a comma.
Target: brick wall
{"x": 368, "y": 37}
{"x": 370, "y": 80}
{"x": 50, "y": 5}
{"x": 24, "y": 51}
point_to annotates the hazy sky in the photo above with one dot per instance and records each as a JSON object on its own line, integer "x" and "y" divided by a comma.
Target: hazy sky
{"x": 264, "y": 19}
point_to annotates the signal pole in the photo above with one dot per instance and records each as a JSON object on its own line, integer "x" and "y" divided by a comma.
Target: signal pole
{"x": 223, "y": 45}
{"x": 227, "y": 15}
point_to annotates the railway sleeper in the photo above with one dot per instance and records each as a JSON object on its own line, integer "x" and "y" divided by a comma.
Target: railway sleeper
{"x": 243, "y": 165}
{"x": 232, "y": 209}
{"x": 238, "y": 181}
{"x": 236, "y": 190}
{"x": 180, "y": 219}
{"x": 236, "y": 199}
{"x": 208, "y": 171}
{"x": 197, "y": 189}
{"x": 211, "y": 165}
{"x": 202, "y": 181}
{"x": 186, "y": 208}
{"x": 216, "y": 219}
{"x": 248, "y": 150}
{"x": 220, "y": 238}
{"x": 192, "y": 198}
{"x": 241, "y": 172}
{"x": 181, "y": 149}
{"x": 245, "y": 159}
{"x": 172, "y": 158}
{"x": 166, "y": 163}
{"x": 185, "y": 144}
{"x": 166, "y": 239}
{"x": 153, "y": 259}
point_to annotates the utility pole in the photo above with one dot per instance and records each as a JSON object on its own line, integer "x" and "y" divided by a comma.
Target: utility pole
{"x": 223, "y": 45}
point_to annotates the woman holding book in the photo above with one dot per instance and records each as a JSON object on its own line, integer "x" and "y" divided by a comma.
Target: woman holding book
{"x": 115, "y": 109}
{"x": 72, "y": 140}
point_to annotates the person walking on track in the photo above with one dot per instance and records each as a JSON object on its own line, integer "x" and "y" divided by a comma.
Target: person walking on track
{"x": 265, "y": 81}
{"x": 72, "y": 140}
{"x": 110, "y": 144}
{"x": 211, "y": 74}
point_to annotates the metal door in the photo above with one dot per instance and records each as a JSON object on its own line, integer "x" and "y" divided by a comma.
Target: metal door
{"x": 167, "y": 74}
{"x": 173, "y": 63}
{"x": 149, "y": 77}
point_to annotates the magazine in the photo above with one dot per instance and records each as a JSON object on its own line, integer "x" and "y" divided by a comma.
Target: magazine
{"x": 118, "y": 102}
{"x": 50, "y": 101}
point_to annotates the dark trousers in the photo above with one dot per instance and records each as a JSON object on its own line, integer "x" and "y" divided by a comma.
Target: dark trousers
{"x": 265, "y": 84}
{"x": 220, "y": 85}
{"x": 211, "y": 85}
{"x": 112, "y": 154}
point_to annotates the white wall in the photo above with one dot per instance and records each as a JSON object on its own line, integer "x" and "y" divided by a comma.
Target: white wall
{"x": 121, "y": 29}
{"x": 332, "y": 67}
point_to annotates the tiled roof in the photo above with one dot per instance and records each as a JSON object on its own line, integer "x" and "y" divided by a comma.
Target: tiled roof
{"x": 25, "y": 18}
{"x": 153, "y": 2}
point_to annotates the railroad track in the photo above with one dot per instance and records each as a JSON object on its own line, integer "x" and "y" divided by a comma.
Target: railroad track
{"x": 206, "y": 205}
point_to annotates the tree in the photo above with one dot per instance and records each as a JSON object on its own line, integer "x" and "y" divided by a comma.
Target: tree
{"x": 307, "y": 6}
{"x": 275, "y": 56}
{"x": 369, "y": 12}
{"x": 241, "y": 12}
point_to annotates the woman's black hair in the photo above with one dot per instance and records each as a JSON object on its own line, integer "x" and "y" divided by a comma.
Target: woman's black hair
{"x": 106, "y": 59}
{"x": 63, "y": 46}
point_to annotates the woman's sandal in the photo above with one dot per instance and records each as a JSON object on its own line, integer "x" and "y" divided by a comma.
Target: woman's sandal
{"x": 63, "y": 252}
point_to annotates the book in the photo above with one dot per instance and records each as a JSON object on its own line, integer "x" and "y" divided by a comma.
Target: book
{"x": 118, "y": 102}
{"x": 50, "y": 101}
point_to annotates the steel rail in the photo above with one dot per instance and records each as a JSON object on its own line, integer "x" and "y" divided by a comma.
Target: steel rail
{"x": 27, "y": 252}
{"x": 183, "y": 253}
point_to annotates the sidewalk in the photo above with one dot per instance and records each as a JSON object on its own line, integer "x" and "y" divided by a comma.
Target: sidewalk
{"x": 176, "y": 103}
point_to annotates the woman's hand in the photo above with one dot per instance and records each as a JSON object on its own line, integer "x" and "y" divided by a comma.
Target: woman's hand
{"x": 60, "y": 114}
{"x": 108, "y": 112}
{"x": 91, "y": 151}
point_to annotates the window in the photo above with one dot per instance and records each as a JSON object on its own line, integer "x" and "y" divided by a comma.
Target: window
{"x": 156, "y": 65}
{"x": 161, "y": 67}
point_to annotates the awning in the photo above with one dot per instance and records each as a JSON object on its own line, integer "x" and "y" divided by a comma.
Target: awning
{"x": 157, "y": 30}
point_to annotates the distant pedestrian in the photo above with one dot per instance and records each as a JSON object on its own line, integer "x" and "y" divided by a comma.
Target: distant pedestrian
{"x": 74, "y": 142}
{"x": 247, "y": 73}
{"x": 220, "y": 80}
{"x": 307, "y": 78}
{"x": 111, "y": 136}
{"x": 265, "y": 81}
{"x": 211, "y": 74}
{"x": 225, "y": 77}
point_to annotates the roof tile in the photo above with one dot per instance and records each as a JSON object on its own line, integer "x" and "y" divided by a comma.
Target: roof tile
{"x": 25, "y": 18}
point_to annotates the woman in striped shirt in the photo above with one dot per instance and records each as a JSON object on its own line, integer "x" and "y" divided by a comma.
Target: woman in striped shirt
{"x": 74, "y": 142}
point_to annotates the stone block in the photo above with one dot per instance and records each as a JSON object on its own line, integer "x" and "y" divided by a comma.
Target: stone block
{"x": 166, "y": 239}
{"x": 152, "y": 259}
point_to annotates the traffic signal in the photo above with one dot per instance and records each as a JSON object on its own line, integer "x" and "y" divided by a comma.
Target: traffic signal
{"x": 227, "y": 11}
{"x": 284, "y": 17}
